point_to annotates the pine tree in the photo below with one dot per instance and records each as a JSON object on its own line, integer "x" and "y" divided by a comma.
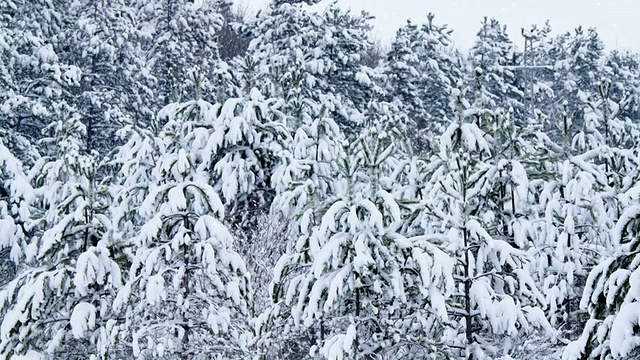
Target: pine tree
{"x": 421, "y": 73}
{"x": 579, "y": 202}
{"x": 353, "y": 283}
{"x": 248, "y": 139}
{"x": 403, "y": 71}
{"x": 493, "y": 54}
{"x": 33, "y": 75}
{"x": 496, "y": 297}
{"x": 59, "y": 304}
{"x": 305, "y": 186}
{"x": 623, "y": 69}
{"x": 175, "y": 38}
{"x": 296, "y": 52}
{"x": 188, "y": 290}
{"x": 81, "y": 59}
{"x": 560, "y": 241}
{"x": 611, "y": 294}
{"x": 97, "y": 42}
{"x": 304, "y": 183}
{"x": 577, "y": 70}
{"x": 537, "y": 72}
{"x": 245, "y": 141}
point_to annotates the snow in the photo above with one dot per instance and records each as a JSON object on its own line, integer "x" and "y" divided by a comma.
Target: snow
{"x": 339, "y": 345}
{"x": 155, "y": 292}
{"x": 623, "y": 338}
{"x": 30, "y": 355}
{"x": 83, "y": 319}
{"x": 89, "y": 271}
{"x": 629, "y": 214}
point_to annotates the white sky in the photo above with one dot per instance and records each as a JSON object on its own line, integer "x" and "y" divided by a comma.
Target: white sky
{"x": 618, "y": 21}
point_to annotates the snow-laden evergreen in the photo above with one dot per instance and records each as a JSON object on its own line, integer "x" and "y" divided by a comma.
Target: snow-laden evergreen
{"x": 421, "y": 72}
{"x": 174, "y": 37}
{"x": 353, "y": 281}
{"x": 187, "y": 292}
{"x": 33, "y": 75}
{"x": 60, "y": 303}
{"x": 611, "y": 295}
{"x": 576, "y": 58}
{"x": 299, "y": 52}
{"x": 496, "y": 298}
{"x": 491, "y": 58}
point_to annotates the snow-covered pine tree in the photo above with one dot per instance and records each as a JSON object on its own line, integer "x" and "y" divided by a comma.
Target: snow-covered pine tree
{"x": 175, "y": 37}
{"x": 442, "y": 72}
{"x": 346, "y": 39}
{"x": 403, "y": 72}
{"x": 564, "y": 243}
{"x": 537, "y": 74}
{"x": 525, "y": 159}
{"x": 493, "y": 53}
{"x": 32, "y": 73}
{"x": 16, "y": 196}
{"x": 421, "y": 72}
{"x": 306, "y": 178}
{"x": 606, "y": 137}
{"x": 354, "y": 283}
{"x": 275, "y": 67}
{"x": 188, "y": 293}
{"x": 577, "y": 73}
{"x": 231, "y": 42}
{"x": 248, "y": 137}
{"x": 623, "y": 68}
{"x": 496, "y": 298}
{"x": 77, "y": 52}
{"x": 59, "y": 304}
{"x": 318, "y": 51}
{"x": 132, "y": 165}
{"x": 306, "y": 186}
{"x": 584, "y": 171}
{"x": 305, "y": 166}
{"x": 611, "y": 291}
{"x": 96, "y": 35}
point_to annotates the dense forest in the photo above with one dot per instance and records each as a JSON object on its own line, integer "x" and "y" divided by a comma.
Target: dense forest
{"x": 179, "y": 181}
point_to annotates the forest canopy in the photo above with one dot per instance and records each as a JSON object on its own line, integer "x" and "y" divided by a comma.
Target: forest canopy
{"x": 181, "y": 181}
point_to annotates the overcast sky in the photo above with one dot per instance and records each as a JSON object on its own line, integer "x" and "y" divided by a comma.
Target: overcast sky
{"x": 618, "y": 21}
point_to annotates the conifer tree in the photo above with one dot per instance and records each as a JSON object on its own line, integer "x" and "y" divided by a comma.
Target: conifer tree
{"x": 623, "y": 67}
{"x": 576, "y": 61}
{"x": 537, "y": 72}
{"x": 421, "y": 73}
{"x": 495, "y": 297}
{"x": 579, "y": 202}
{"x": 403, "y": 71}
{"x": 98, "y": 43}
{"x": 175, "y": 38}
{"x": 59, "y": 304}
{"x": 297, "y": 51}
{"x": 305, "y": 185}
{"x": 494, "y": 53}
{"x": 611, "y": 293}
{"x": 353, "y": 282}
{"x": 33, "y": 75}
{"x": 188, "y": 290}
